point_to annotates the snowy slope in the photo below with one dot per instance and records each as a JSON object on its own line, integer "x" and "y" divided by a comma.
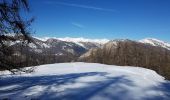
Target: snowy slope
{"x": 79, "y": 41}
{"x": 85, "y": 81}
{"x": 156, "y": 42}
{"x": 76, "y": 40}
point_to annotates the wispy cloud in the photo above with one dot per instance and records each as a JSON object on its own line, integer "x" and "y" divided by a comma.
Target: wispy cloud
{"x": 77, "y": 25}
{"x": 82, "y": 6}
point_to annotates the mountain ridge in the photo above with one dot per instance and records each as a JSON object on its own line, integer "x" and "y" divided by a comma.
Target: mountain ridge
{"x": 149, "y": 53}
{"x": 99, "y": 42}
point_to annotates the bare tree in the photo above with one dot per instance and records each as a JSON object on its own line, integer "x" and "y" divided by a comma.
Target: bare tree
{"x": 11, "y": 21}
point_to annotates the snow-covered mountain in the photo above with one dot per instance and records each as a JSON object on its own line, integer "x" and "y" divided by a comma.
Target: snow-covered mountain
{"x": 76, "y": 40}
{"x": 53, "y": 50}
{"x": 84, "y": 81}
{"x": 156, "y": 42}
{"x": 47, "y": 42}
{"x": 150, "y": 41}
{"x": 61, "y": 45}
{"x": 73, "y": 48}
{"x": 67, "y": 44}
{"x": 84, "y": 42}
{"x": 79, "y": 40}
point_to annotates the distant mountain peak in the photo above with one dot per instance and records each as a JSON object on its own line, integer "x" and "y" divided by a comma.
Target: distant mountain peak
{"x": 156, "y": 42}
{"x": 81, "y": 39}
{"x": 76, "y": 40}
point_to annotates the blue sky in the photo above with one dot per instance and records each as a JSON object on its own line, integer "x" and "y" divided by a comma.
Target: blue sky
{"x": 111, "y": 19}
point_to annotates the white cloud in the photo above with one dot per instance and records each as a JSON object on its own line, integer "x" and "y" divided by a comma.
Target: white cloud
{"x": 77, "y": 25}
{"x": 83, "y": 6}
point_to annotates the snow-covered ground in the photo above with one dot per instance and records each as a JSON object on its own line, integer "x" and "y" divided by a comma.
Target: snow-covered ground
{"x": 84, "y": 81}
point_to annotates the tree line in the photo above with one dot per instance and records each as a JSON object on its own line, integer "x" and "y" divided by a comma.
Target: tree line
{"x": 130, "y": 53}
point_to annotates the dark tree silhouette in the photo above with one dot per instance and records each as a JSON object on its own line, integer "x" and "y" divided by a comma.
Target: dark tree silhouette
{"x": 11, "y": 21}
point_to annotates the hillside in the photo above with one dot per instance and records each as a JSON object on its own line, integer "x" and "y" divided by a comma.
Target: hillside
{"x": 46, "y": 51}
{"x": 148, "y": 53}
{"x": 156, "y": 42}
{"x": 131, "y": 53}
{"x": 84, "y": 81}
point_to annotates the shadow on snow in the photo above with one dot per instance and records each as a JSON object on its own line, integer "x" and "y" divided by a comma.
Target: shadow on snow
{"x": 108, "y": 89}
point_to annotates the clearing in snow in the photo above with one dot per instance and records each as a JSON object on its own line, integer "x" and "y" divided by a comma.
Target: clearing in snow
{"x": 84, "y": 81}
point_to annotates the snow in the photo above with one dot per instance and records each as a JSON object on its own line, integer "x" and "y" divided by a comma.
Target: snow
{"x": 59, "y": 54}
{"x": 10, "y": 43}
{"x": 38, "y": 50}
{"x": 156, "y": 42}
{"x": 81, "y": 39}
{"x": 11, "y": 34}
{"x": 147, "y": 41}
{"x": 43, "y": 38}
{"x": 85, "y": 81}
{"x": 45, "y": 45}
{"x": 32, "y": 45}
{"x": 76, "y": 40}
